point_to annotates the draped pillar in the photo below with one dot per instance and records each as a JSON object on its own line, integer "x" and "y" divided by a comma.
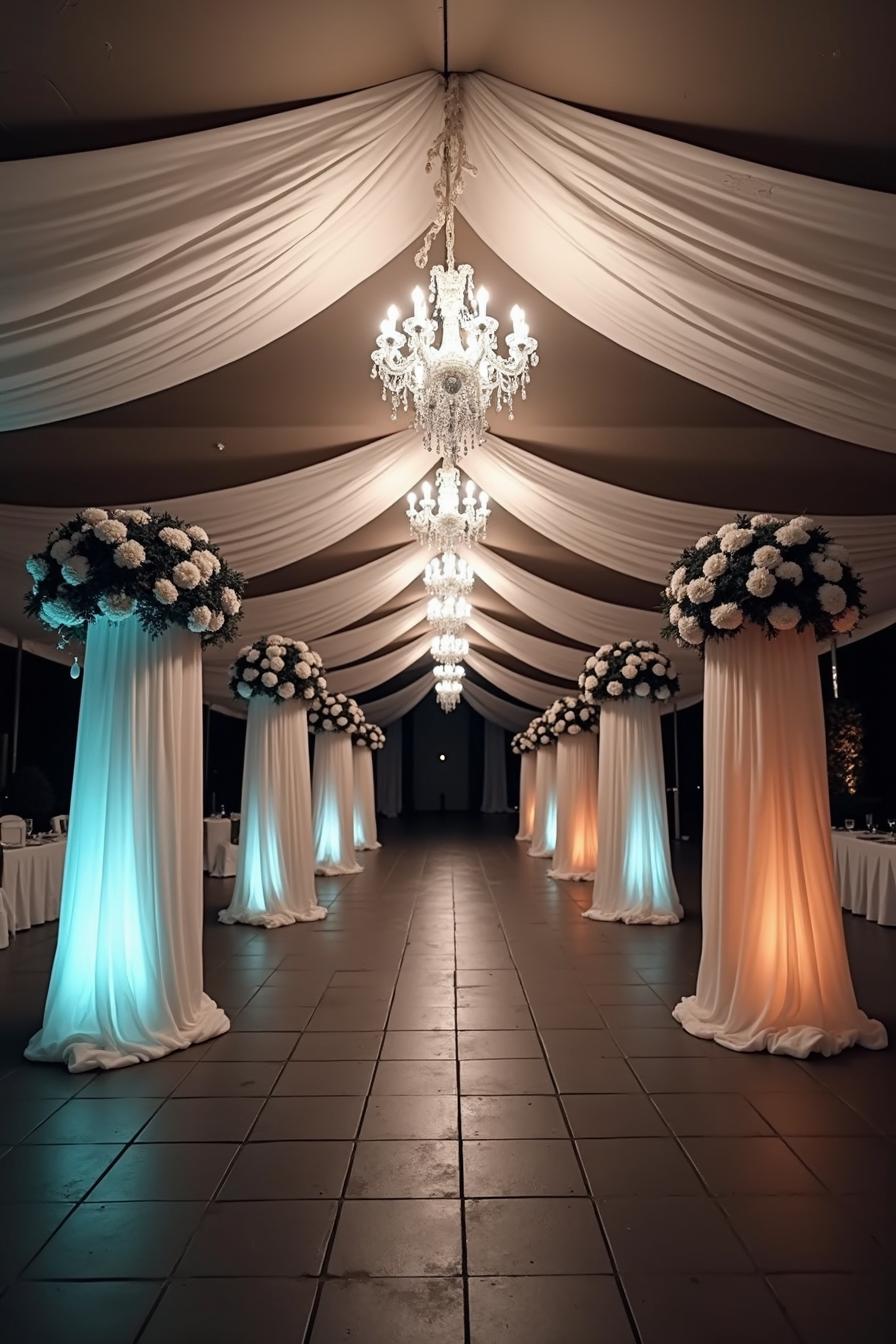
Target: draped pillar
{"x": 126, "y": 984}
{"x": 494, "y": 770}
{"x": 364, "y": 810}
{"x": 634, "y": 881}
{"x": 528, "y": 767}
{"x": 388, "y": 773}
{"x": 575, "y": 850}
{"x": 333, "y": 787}
{"x": 773, "y": 972}
{"x": 544, "y": 822}
{"x": 275, "y": 872}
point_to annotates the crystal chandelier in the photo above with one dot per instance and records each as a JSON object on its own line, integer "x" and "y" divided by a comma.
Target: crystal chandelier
{"x": 447, "y": 648}
{"x": 448, "y": 695}
{"x": 453, "y": 375}
{"x": 447, "y": 576}
{"x": 445, "y": 522}
{"x": 448, "y": 615}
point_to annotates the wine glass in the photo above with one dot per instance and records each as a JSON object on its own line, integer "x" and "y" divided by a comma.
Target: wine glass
{"x": 891, "y": 826}
{"x": 29, "y": 827}
{"x": 849, "y": 823}
{"x": 869, "y": 821}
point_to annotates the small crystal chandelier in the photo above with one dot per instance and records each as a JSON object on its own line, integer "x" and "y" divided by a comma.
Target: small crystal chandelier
{"x": 448, "y": 695}
{"x": 449, "y": 671}
{"x": 447, "y": 576}
{"x": 444, "y": 523}
{"x": 453, "y": 378}
{"x": 447, "y": 648}
{"x": 448, "y": 615}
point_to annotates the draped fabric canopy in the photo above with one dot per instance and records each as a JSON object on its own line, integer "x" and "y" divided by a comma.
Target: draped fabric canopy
{"x": 125, "y": 271}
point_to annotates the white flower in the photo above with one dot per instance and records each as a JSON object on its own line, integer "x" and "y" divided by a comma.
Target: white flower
{"x": 308, "y": 693}
{"x": 784, "y": 616}
{"x": 761, "y": 582}
{"x": 139, "y": 516}
{"x": 674, "y": 614}
{"x": 790, "y": 571}
{"x": 832, "y": 598}
{"x": 643, "y": 644}
{"x": 277, "y": 664}
{"x": 765, "y": 520}
{"x": 165, "y": 592}
{"x": 767, "y": 557}
{"x": 243, "y": 690}
{"x": 626, "y": 644}
{"x": 726, "y": 528}
{"x": 217, "y": 621}
{"x": 807, "y": 524}
{"x": 328, "y": 725}
{"x": 629, "y": 672}
{"x": 601, "y": 667}
{"x": 614, "y": 688}
{"x": 659, "y": 669}
{"x": 93, "y": 516}
{"x": 561, "y": 726}
{"x": 186, "y": 575}
{"x": 714, "y": 565}
{"x": 117, "y": 606}
{"x": 690, "y": 630}
{"x": 737, "y": 539}
{"x": 206, "y": 562}
{"x": 286, "y": 690}
{"x": 250, "y": 674}
{"x": 663, "y": 692}
{"x": 727, "y": 616}
{"x": 199, "y": 619}
{"x": 791, "y": 535}
{"x": 574, "y": 728}
{"x": 642, "y": 688}
{"x": 634, "y": 659}
{"x": 704, "y": 542}
{"x": 590, "y": 683}
{"x": 701, "y": 590}
{"x": 846, "y": 620}
{"x": 230, "y": 602}
{"x": 56, "y": 612}
{"x": 678, "y": 578}
{"x": 111, "y": 531}
{"x": 265, "y": 662}
{"x": 197, "y": 533}
{"x": 176, "y": 538}
{"x": 837, "y": 552}
{"x": 569, "y": 716}
{"x": 74, "y": 571}
{"x": 37, "y": 567}
{"x": 827, "y": 567}
{"x": 303, "y": 670}
{"x": 268, "y": 679}
{"x": 61, "y": 550}
{"x": 129, "y": 555}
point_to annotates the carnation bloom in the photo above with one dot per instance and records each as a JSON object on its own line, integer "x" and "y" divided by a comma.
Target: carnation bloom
{"x": 199, "y": 619}
{"x": 725, "y": 529}
{"x": 642, "y": 688}
{"x": 791, "y": 571}
{"x": 846, "y": 620}
{"x": 308, "y": 693}
{"x": 807, "y": 524}
{"x": 765, "y": 520}
{"x": 253, "y": 656}
{"x": 93, "y": 516}
{"x": 277, "y": 664}
{"x": 614, "y": 688}
{"x": 601, "y": 667}
{"x": 61, "y": 550}
{"x": 826, "y": 566}
{"x": 250, "y": 674}
{"x": 737, "y": 539}
{"x": 268, "y": 679}
{"x": 674, "y": 614}
{"x": 690, "y": 630}
{"x": 176, "y": 538}
{"x": 230, "y": 602}
{"x": 207, "y": 563}
{"x": 767, "y": 557}
{"x": 678, "y": 577}
{"x": 629, "y": 672}
{"x": 37, "y": 567}
{"x": 117, "y": 606}
{"x": 286, "y": 690}
{"x": 837, "y": 552}
{"x": 791, "y": 534}
{"x": 727, "y": 616}
{"x": 663, "y": 692}
{"x": 701, "y": 590}
{"x": 704, "y": 542}
{"x": 784, "y": 616}
{"x": 714, "y": 565}
{"x": 186, "y": 575}
{"x": 217, "y": 621}
{"x": 761, "y": 582}
{"x": 659, "y": 669}
{"x": 129, "y": 555}
{"x": 197, "y": 533}
{"x": 165, "y": 592}
{"x": 75, "y": 570}
{"x": 110, "y": 531}
{"x": 56, "y": 612}
{"x": 832, "y": 598}
{"x": 303, "y": 670}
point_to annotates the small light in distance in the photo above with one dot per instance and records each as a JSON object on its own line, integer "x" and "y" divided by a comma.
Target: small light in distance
{"x": 441, "y": 756}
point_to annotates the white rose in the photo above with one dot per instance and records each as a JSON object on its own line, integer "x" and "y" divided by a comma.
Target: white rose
{"x": 846, "y": 620}
{"x": 727, "y": 616}
{"x": 589, "y": 662}
{"x": 93, "y": 516}
{"x": 569, "y": 716}
{"x": 634, "y": 659}
{"x": 790, "y": 571}
{"x": 561, "y": 726}
{"x": 165, "y": 592}
{"x": 60, "y": 550}
{"x": 737, "y": 539}
{"x": 75, "y": 570}
{"x": 626, "y": 644}
{"x": 767, "y": 557}
{"x": 277, "y": 664}
{"x": 286, "y": 690}
{"x": 791, "y": 535}
{"x": 614, "y": 688}
{"x": 129, "y": 555}
{"x": 783, "y": 616}
{"x": 176, "y": 538}
{"x": 674, "y": 614}
{"x": 111, "y": 531}
{"x": 303, "y": 670}
{"x": 690, "y": 630}
{"x": 186, "y": 575}
{"x": 701, "y": 590}
{"x": 37, "y": 567}
{"x": 268, "y": 679}
{"x": 827, "y": 567}
{"x": 199, "y": 619}
{"x": 117, "y": 606}
{"x": 244, "y": 690}
{"x": 761, "y": 582}
{"x": 663, "y": 692}
{"x": 832, "y": 598}
{"x": 328, "y": 725}
{"x": 714, "y": 565}
{"x": 253, "y": 656}
{"x": 250, "y": 674}
{"x": 230, "y": 603}
{"x": 704, "y": 542}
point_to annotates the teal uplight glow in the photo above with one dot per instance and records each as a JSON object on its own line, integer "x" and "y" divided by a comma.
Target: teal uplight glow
{"x": 261, "y": 863}
{"x": 358, "y": 821}
{"x": 645, "y": 858}
{"x": 328, "y": 829}
{"x": 550, "y": 821}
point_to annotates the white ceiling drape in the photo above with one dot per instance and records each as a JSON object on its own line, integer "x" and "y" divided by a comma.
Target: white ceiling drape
{"x": 777, "y": 289}
{"x": 364, "y": 641}
{"x": 557, "y": 660}
{"x": 388, "y": 708}
{"x": 131, "y": 269}
{"x": 375, "y": 672}
{"x": 527, "y": 689}
{"x": 496, "y": 710}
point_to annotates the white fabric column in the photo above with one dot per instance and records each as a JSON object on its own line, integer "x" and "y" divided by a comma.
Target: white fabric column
{"x": 364, "y": 813}
{"x": 634, "y": 881}
{"x": 275, "y": 873}
{"x": 528, "y": 767}
{"x": 332, "y": 789}
{"x": 494, "y": 770}
{"x": 773, "y": 973}
{"x": 127, "y": 977}
{"x": 388, "y": 774}
{"x": 575, "y": 850}
{"x": 544, "y": 821}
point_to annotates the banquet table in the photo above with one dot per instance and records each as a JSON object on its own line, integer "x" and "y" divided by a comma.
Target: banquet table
{"x": 217, "y": 832}
{"x": 866, "y": 874}
{"x": 31, "y": 886}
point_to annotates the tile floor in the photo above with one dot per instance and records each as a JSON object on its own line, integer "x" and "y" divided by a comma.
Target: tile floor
{"x": 453, "y": 1111}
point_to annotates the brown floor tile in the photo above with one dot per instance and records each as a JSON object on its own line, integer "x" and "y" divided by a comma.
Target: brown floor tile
{"x": 676, "y": 1235}
{"x": 78, "y": 1313}
{"x": 325, "y": 1078}
{"x": 494, "y": 1017}
{"x": 45, "y": 1173}
{"x": 307, "y": 1169}
{"x": 404, "y": 1169}
{"x": 403, "y": 1117}
{"x": 709, "y": 1308}
{"x": 809, "y": 1113}
{"x": 249, "y": 1046}
{"x": 23, "y": 1231}
{"x": 19, "y": 1117}
{"x": 165, "y": 1171}
{"x": 42, "y": 1080}
{"x": 708, "y": 1113}
{"x": 850, "y": 1166}
{"x": 534, "y": 1236}
{"x": 637, "y": 1167}
{"x": 498, "y": 1045}
{"x": 662, "y": 1043}
{"x": 267, "y": 1239}
{"x": 308, "y": 1118}
{"x": 334, "y": 1045}
{"x": 504, "y": 1077}
{"x": 594, "y": 1075}
{"x": 418, "y": 1045}
{"x": 106, "y": 1121}
{"x": 512, "y": 1117}
{"x": 531, "y": 1310}
{"x": 795, "y": 1233}
{"x": 119, "y": 1241}
{"x": 635, "y": 996}
{"x": 832, "y": 1308}
{"x": 750, "y": 1166}
{"x": 202, "y": 1120}
{"x": 403, "y": 1238}
{"x": 232, "y": 1311}
{"x": 613, "y": 1115}
{"x": 737, "y": 1073}
{"x": 390, "y": 1311}
{"x": 291, "y": 1017}
{"x": 521, "y": 1167}
{"x": 423, "y": 1078}
{"x": 428, "y": 1017}
{"x": 158, "y": 1078}
{"x": 229, "y": 1080}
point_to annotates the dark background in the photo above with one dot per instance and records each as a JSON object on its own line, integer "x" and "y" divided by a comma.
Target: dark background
{"x": 49, "y": 717}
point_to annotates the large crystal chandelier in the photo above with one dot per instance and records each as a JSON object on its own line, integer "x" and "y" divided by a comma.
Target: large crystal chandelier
{"x": 446, "y": 522}
{"x": 448, "y": 695}
{"x": 447, "y": 648}
{"x": 453, "y": 374}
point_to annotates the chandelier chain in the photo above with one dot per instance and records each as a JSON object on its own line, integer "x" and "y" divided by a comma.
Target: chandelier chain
{"x": 450, "y": 147}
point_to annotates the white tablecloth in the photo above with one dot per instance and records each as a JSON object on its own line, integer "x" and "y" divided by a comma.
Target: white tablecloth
{"x": 217, "y": 832}
{"x": 866, "y": 872}
{"x": 32, "y": 886}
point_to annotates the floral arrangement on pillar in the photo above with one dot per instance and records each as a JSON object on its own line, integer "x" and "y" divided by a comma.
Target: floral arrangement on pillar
{"x": 544, "y": 815}
{"x": 278, "y": 668}
{"x": 370, "y": 738}
{"x": 631, "y": 668}
{"x": 523, "y": 745}
{"x": 369, "y": 735}
{"x": 756, "y": 596}
{"x": 573, "y": 720}
{"x": 133, "y": 562}
{"x": 335, "y": 720}
{"x": 775, "y": 574}
{"x": 571, "y": 715}
{"x": 335, "y": 713}
{"x": 146, "y": 591}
